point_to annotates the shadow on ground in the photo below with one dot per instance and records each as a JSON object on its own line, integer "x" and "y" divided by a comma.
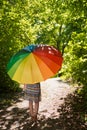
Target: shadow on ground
{"x": 71, "y": 117}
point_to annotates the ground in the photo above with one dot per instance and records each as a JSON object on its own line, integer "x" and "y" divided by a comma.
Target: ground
{"x": 56, "y": 111}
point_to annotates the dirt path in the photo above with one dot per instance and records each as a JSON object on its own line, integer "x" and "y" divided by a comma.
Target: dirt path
{"x": 54, "y": 91}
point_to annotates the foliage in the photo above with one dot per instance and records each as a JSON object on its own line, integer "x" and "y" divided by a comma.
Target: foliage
{"x": 9, "y": 42}
{"x": 76, "y": 58}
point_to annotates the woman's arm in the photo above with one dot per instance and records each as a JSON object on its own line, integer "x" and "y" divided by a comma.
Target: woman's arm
{"x": 24, "y": 87}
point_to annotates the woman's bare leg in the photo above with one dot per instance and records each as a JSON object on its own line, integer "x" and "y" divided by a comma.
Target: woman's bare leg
{"x": 36, "y": 107}
{"x": 31, "y": 107}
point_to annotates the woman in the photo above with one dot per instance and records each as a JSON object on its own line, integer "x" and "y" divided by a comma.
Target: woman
{"x": 33, "y": 94}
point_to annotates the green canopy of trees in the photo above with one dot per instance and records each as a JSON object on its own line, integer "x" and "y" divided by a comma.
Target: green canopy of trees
{"x": 62, "y": 23}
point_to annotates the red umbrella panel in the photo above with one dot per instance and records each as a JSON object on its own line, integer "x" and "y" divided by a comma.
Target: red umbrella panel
{"x": 34, "y": 63}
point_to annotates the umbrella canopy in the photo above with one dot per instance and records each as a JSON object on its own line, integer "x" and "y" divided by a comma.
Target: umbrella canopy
{"x": 34, "y": 63}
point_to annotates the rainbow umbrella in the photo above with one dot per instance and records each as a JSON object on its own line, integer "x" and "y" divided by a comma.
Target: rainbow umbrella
{"x": 34, "y": 63}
